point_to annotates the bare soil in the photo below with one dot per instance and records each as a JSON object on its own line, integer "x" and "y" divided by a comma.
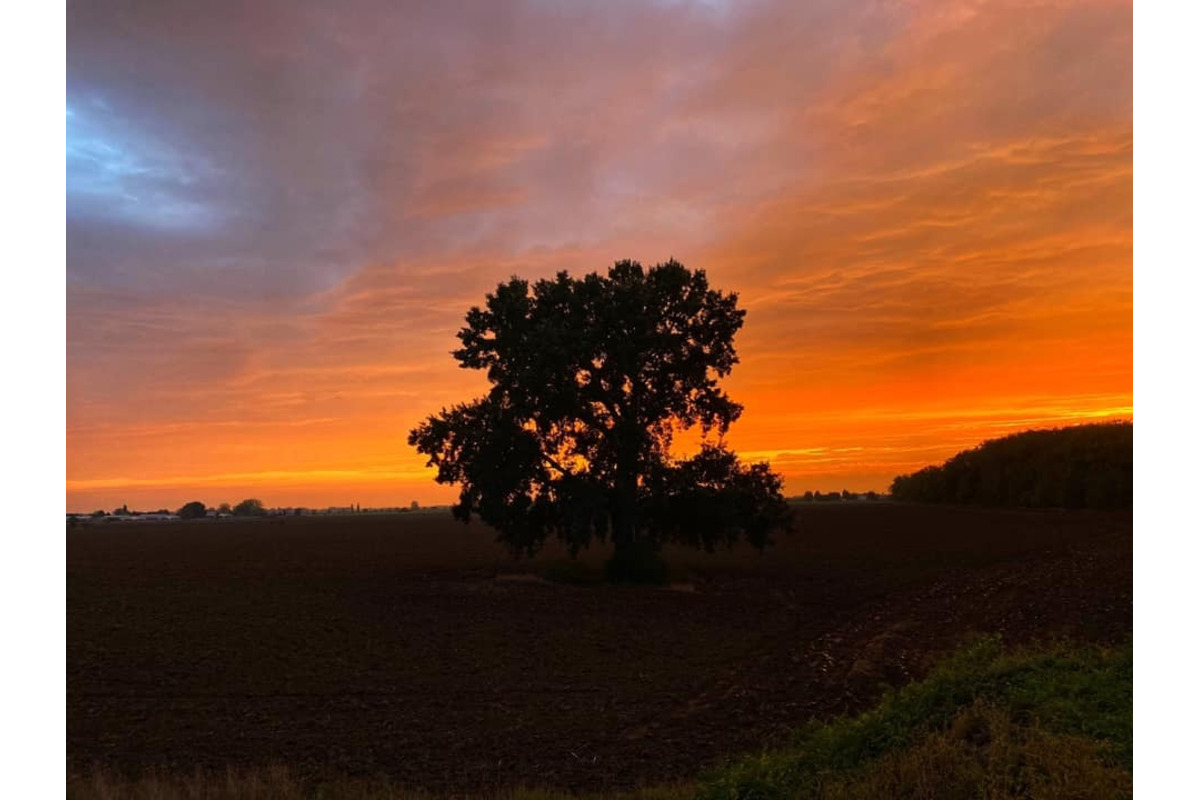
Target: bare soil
{"x": 404, "y": 646}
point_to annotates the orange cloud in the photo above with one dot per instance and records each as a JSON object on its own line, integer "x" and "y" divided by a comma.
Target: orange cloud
{"x": 925, "y": 207}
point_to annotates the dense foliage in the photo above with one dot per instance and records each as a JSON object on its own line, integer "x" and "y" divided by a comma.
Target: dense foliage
{"x": 1088, "y": 466}
{"x": 192, "y": 510}
{"x": 591, "y": 379}
{"x": 250, "y": 507}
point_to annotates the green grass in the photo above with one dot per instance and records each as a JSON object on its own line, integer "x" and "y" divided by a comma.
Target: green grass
{"x": 1055, "y": 722}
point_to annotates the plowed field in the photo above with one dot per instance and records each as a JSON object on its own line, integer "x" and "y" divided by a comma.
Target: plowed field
{"x": 412, "y": 646}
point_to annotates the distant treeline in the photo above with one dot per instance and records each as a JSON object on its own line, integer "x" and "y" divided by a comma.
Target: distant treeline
{"x": 1088, "y": 466}
{"x": 845, "y": 494}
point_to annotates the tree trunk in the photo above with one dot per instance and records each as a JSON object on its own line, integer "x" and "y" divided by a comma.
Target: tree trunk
{"x": 625, "y": 501}
{"x": 635, "y": 559}
{"x": 625, "y": 518}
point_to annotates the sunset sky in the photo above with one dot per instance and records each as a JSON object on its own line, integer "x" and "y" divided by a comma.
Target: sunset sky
{"x": 278, "y": 214}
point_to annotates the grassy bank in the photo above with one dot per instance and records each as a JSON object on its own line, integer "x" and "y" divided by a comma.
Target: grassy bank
{"x": 1051, "y": 723}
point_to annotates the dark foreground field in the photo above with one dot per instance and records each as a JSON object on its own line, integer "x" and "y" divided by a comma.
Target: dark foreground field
{"x": 412, "y": 646}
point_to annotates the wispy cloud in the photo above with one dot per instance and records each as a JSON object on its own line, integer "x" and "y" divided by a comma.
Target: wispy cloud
{"x": 278, "y": 214}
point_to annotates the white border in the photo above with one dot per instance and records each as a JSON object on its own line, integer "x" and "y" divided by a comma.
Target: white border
{"x": 1166, "y": 263}
{"x": 33, "y": 209}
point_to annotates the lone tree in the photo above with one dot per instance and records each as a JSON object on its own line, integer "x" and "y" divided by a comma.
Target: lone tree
{"x": 192, "y": 510}
{"x": 250, "y": 507}
{"x": 591, "y": 379}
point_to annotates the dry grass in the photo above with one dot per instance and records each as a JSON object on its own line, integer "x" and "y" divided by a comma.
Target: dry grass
{"x": 987, "y": 755}
{"x": 279, "y": 783}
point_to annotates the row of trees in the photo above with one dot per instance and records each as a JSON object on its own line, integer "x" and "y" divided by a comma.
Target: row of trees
{"x": 1088, "y": 466}
{"x": 845, "y": 494}
{"x": 250, "y": 507}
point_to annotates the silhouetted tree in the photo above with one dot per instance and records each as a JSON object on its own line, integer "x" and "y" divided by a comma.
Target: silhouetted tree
{"x": 192, "y": 510}
{"x": 249, "y": 507}
{"x": 98, "y": 513}
{"x": 591, "y": 378}
{"x": 224, "y": 509}
{"x": 123, "y": 510}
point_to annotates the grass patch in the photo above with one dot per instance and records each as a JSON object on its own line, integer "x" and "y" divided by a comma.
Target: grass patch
{"x": 1052, "y": 723}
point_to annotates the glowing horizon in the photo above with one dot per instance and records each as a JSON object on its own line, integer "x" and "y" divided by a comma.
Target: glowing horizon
{"x": 278, "y": 216}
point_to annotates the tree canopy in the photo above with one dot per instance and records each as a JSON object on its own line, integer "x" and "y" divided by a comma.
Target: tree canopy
{"x": 1085, "y": 466}
{"x": 192, "y": 510}
{"x": 250, "y": 507}
{"x": 591, "y": 379}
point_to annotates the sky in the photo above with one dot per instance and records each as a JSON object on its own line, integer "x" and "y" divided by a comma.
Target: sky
{"x": 278, "y": 214}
